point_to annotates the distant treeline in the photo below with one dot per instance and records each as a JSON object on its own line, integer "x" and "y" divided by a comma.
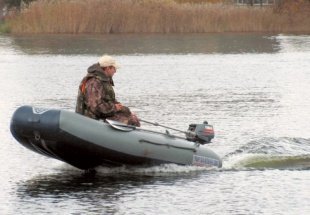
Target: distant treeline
{"x": 156, "y": 16}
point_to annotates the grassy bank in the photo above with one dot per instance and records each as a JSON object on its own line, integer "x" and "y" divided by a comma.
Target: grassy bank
{"x": 152, "y": 16}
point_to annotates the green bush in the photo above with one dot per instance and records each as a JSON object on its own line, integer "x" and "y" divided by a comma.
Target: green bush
{"x": 4, "y": 28}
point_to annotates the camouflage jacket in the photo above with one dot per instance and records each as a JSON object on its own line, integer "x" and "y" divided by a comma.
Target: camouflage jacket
{"x": 96, "y": 97}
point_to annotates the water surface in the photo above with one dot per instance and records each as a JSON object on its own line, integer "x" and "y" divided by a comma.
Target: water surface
{"x": 253, "y": 88}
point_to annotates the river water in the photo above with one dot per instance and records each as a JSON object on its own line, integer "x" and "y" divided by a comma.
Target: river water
{"x": 253, "y": 88}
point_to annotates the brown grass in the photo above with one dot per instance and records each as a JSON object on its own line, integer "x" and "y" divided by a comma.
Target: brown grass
{"x": 151, "y": 16}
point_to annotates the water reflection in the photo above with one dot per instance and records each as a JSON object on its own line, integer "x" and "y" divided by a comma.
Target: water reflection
{"x": 98, "y": 193}
{"x": 146, "y": 44}
{"x": 293, "y": 43}
{"x": 81, "y": 191}
{"x": 66, "y": 182}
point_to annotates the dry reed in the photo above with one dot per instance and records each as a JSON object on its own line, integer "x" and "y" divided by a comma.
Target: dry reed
{"x": 150, "y": 16}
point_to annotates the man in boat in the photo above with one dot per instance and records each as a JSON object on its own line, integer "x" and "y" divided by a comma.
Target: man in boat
{"x": 96, "y": 97}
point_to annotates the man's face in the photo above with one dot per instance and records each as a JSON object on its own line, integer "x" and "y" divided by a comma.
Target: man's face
{"x": 110, "y": 71}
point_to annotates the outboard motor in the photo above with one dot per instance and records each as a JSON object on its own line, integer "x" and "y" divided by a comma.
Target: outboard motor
{"x": 202, "y": 133}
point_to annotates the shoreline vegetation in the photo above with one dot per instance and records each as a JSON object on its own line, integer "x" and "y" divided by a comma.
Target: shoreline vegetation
{"x": 155, "y": 16}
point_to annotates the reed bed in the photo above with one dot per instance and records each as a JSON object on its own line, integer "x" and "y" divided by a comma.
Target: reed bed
{"x": 150, "y": 16}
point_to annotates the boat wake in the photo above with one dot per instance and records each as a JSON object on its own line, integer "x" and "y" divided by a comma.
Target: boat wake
{"x": 161, "y": 170}
{"x": 271, "y": 153}
{"x": 265, "y": 153}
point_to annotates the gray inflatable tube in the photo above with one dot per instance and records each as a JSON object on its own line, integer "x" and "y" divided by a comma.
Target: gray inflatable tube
{"x": 86, "y": 143}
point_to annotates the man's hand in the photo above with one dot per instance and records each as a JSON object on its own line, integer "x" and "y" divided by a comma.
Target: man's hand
{"x": 118, "y": 106}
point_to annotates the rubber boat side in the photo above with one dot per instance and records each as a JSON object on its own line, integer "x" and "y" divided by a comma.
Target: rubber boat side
{"x": 86, "y": 143}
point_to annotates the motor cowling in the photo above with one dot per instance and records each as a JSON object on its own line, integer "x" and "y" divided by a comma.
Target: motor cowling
{"x": 202, "y": 133}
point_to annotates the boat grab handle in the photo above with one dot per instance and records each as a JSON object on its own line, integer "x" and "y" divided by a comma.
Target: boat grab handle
{"x": 168, "y": 145}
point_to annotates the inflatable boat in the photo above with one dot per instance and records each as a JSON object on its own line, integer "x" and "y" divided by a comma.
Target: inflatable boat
{"x": 86, "y": 143}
